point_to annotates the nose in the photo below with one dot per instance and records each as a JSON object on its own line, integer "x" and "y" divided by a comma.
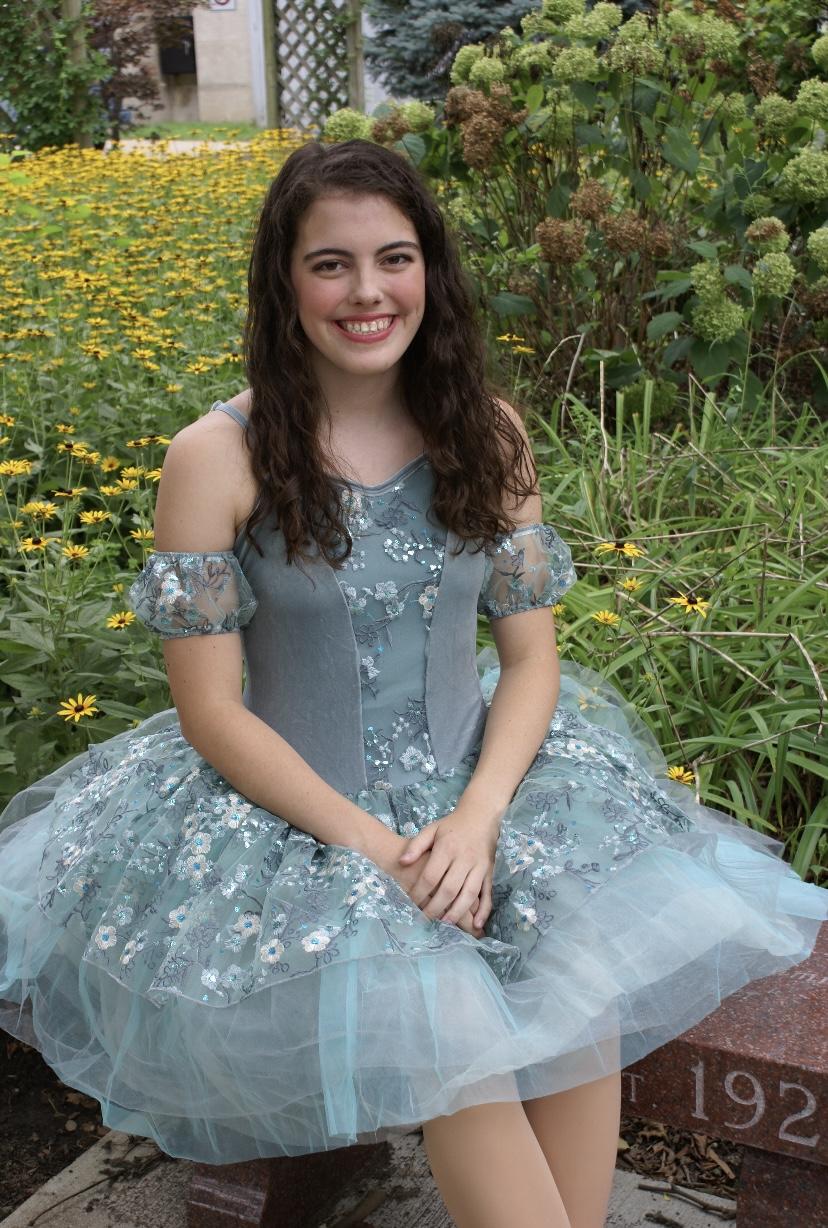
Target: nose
{"x": 364, "y": 288}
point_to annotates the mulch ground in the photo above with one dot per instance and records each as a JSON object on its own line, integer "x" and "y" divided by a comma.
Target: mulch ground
{"x": 45, "y": 1125}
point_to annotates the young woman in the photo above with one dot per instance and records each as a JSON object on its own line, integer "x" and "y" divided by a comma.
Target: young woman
{"x": 379, "y": 885}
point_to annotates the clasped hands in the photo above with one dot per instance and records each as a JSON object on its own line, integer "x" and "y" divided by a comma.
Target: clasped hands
{"x": 454, "y": 882}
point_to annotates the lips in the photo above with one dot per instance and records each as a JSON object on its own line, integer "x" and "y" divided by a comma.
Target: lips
{"x": 365, "y": 338}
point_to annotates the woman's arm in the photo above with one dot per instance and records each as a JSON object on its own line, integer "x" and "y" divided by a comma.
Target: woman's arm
{"x": 522, "y": 706}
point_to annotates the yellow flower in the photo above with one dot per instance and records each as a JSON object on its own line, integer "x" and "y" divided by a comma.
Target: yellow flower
{"x": 142, "y": 535}
{"x": 691, "y": 604}
{"x": 143, "y": 353}
{"x": 66, "y": 428}
{"x": 558, "y": 609}
{"x": 607, "y": 617}
{"x": 35, "y": 711}
{"x": 629, "y": 549}
{"x": 74, "y": 709}
{"x": 74, "y": 447}
{"x": 75, "y": 553}
{"x": 70, "y": 494}
{"x": 44, "y": 511}
{"x": 118, "y": 587}
{"x": 630, "y": 584}
{"x": 510, "y": 337}
{"x": 522, "y": 349}
{"x": 153, "y": 475}
{"x": 96, "y": 516}
{"x": 109, "y": 463}
{"x": 173, "y": 387}
{"x": 6, "y": 420}
{"x": 29, "y": 544}
{"x": 15, "y": 468}
{"x": 682, "y": 774}
{"x": 120, "y": 620}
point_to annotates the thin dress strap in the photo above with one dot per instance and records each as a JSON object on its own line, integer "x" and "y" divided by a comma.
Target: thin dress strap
{"x": 231, "y": 410}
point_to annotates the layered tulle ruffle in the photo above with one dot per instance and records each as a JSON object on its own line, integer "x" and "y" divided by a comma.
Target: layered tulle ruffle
{"x": 225, "y": 984}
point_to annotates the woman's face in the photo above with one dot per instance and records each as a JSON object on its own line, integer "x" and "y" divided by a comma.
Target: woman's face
{"x": 357, "y": 260}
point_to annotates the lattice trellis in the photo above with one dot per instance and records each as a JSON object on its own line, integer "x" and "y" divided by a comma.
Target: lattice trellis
{"x": 314, "y": 71}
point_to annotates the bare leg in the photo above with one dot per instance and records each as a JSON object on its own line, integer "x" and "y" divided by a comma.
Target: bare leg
{"x": 490, "y": 1169}
{"x": 578, "y": 1133}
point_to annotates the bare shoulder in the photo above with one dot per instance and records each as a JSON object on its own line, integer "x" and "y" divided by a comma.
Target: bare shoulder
{"x": 199, "y": 499}
{"x": 530, "y": 509}
{"x": 241, "y": 401}
{"x": 514, "y": 417}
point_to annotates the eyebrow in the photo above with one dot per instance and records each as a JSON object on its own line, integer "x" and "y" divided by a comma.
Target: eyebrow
{"x": 340, "y": 251}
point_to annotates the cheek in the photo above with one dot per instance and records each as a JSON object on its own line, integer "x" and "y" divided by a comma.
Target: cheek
{"x": 316, "y": 298}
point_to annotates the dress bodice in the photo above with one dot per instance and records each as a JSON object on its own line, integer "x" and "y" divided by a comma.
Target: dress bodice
{"x": 369, "y": 671}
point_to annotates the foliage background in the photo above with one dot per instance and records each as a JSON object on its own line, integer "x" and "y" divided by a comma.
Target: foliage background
{"x": 692, "y": 495}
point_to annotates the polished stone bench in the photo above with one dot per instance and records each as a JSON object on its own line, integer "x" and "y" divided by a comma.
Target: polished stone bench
{"x": 756, "y": 1071}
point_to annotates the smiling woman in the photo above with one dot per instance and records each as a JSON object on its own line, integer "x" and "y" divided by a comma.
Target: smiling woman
{"x": 370, "y": 294}
{"x": 359, "y": 878}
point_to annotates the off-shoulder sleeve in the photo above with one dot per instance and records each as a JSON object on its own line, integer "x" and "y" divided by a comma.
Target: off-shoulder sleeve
{"x": 528, "y": 568}
{"x": 192, "y": 593}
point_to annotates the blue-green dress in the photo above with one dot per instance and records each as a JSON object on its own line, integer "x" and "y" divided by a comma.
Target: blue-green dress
{"x": 233, "y": 988}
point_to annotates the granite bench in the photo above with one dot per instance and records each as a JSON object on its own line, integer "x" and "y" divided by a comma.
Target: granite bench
{"x": 756, "y": 1071}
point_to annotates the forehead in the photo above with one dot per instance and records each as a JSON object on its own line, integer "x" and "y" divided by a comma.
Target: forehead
{"x": 362, "y": 217}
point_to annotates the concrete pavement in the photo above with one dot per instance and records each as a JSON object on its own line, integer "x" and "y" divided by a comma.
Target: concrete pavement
{"x": 125, "y": 1182}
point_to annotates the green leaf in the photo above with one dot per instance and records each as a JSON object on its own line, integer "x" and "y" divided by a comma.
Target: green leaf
{"x": 709, "y": 362}
{"x": 414, "y": 146}
{"x": 589, "y": 135}
{"x": 534, "y": 97}
{"x": 666, "y": 322}
{"x": 678, "y": 348}
{"x": 737, "y": 276}
{"x": 641, "y": 185}
{"x": 557, "y": 200}
{"x": 709, "y": 251}
{"x": 679, "y": 150}
{"x": 585, "y": 93}
{"x": 507, "y": 304}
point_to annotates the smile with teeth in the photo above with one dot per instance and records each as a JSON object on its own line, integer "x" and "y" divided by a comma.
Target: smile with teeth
{"x": 366, "y": 327}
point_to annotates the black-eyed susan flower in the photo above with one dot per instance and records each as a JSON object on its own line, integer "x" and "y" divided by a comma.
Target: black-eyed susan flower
{"x": 75, "y": 709}
{"x": 39, "y": 509}
{"x": 96, "y": 516}
{"x": 120, "y": 620}
{"x": 630, "y": 585}
{"x": 173, "y": 387}
{"x": 73, "y": 447}
{"x": 31, "y": 544}
{"x": 118, "y": 587}
{"x": 70, "y": 494}
{"x": 628, "y": 549}
{"x": 691, "y": 604}
{"x": 65, "y": 428}
{"x": 15, "y": 468}
{"x": 558, "y": 609}
{"x": 510, "y": 337}
{"x": 75, "y": 553}
{"x": 523, "y": 349}
{"x": 142, "y": 535}
{"x": 607, "y": 618}
{"x": 109, "y": 463}
{"x": 682, "y": 774}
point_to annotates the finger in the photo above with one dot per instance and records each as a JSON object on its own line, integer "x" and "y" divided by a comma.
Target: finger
{"x": 427, "y": 884}
{"x": 418, "y": 845}
{"x": 463, "y": 900}
{"x": 484, "y": 907}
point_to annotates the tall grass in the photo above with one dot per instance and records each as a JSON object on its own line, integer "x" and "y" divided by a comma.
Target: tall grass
{"x": 726, "y": 513}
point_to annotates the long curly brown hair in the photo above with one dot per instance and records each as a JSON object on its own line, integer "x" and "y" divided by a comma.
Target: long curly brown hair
{"x": 476, "y": 452}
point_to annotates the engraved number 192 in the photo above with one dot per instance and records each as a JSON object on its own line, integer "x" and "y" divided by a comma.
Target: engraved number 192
{"x": 757, "y": 1101}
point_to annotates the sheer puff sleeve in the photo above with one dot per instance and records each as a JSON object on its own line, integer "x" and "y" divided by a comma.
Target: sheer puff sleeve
{"x": 192, "y": 593}
{"x": 525, "y": 569}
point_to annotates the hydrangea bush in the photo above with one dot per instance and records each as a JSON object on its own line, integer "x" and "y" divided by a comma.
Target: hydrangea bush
{"x": 645, "y": 188}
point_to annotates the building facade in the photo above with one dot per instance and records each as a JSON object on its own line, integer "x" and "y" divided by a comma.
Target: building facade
{"x": 227, "y": 73}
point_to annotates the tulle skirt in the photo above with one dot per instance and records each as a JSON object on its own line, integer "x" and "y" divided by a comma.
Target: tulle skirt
{"x": 232, "y": 988}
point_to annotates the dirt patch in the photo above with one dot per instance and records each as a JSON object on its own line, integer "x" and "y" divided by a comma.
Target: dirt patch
{"x": 44, "y": 1124}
